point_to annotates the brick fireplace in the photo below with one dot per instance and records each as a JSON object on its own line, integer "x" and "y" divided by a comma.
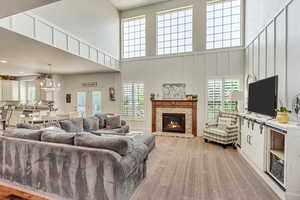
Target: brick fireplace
{"x": 174, "y": 117}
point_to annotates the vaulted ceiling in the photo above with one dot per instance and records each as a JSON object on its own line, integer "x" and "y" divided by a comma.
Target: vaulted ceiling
{"x": 129, "y": 4}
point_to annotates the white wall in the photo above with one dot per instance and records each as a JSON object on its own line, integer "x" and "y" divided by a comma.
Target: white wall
{"x": 258, "y": 14}
{"x": 193, "y": 70}
{"x": 278, "y": 47}
{"x": 73, "y": 83}
{"x": 95, "y": 21}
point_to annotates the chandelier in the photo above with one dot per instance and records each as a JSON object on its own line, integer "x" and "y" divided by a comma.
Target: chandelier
{"x": 47, "y": 81}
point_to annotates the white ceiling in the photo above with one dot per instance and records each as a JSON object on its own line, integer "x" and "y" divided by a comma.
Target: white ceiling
{"x": 129, "y": 4}
{"x": 11, "y": 7}
{"x": 28, "y": 56}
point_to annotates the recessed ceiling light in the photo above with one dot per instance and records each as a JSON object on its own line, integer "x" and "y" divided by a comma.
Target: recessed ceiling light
{"x": 3, "y": 61}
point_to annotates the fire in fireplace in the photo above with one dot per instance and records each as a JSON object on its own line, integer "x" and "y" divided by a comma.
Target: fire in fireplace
{"x": 173, "y": 122}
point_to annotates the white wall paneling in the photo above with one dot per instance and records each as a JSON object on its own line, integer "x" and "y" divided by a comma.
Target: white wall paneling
{"x": 5, "y": 22}
{"x": 293, "y": 49}
{"x": 271, "y": 50}
{"x": 256, "y": 58}
{"x": 279, "y": 51}
{"x": 60, "y": 39}
{"x": 84, "y": 50}
{"x": 24, "y": 24}
{"x": 250, "y": 59}
{"x": 262, "y": 55}
{"x": 280, "y": 62}
{"x": 43, "y": 32}
{"x": 35, "y": 27}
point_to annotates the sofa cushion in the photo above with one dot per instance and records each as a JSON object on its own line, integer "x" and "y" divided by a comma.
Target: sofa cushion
{"x": 91, "y": 124}
{"x": 123, "y": 129}
{"x": 58, "y": 137}
{"x": 74, "y": 125}
{"x": 38, "y": 126}
{"x": 24, "y": 133}
{"x": 223, "y": 122}
{"x": 107, "y": 132}
{"x": 120, "y": 145}
{"x": 113, "y": 122}
{"x": 102, "y": 120}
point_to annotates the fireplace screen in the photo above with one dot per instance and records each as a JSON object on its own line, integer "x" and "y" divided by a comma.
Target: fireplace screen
{"x": 173, "y": 122}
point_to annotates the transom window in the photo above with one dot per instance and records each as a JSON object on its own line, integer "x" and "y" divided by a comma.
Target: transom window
{"x": 134, "y": 37}
{"x": 175, "y": 31}
{"x": 223, "y": 24}
{"x": 219, "y": 96}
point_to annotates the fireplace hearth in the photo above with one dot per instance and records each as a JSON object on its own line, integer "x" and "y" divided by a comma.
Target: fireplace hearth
{"x": 173, "y": 122}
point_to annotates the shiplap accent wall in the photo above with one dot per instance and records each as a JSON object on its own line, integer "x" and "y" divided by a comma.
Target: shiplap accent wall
{"x": 275, "y": 51}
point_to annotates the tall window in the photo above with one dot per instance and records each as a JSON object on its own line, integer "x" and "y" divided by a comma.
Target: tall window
{"x": 175, "y": 31}
{"x": 223, "y": 24}
{"x": 133, "y": 100}
{"x": 134, "y": 37}
{"x": 219, "y": 96}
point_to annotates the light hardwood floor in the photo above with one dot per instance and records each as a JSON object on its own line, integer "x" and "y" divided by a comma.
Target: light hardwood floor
{"x": 189, "y": 169}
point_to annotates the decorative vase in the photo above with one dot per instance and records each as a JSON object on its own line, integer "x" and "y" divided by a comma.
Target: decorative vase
{"x": 282, "y": 117}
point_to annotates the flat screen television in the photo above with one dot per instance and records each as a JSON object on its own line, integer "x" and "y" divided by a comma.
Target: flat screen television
{"x": 262, "y": 97}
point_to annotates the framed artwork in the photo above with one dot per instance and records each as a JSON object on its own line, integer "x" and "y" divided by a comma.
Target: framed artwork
{"x": 68, "y": 98}
{"x": 174, "y": 91}
{"x": 112, "y": 94}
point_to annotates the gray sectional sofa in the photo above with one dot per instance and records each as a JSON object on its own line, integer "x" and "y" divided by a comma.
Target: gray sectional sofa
{"x": 74, "y": 160}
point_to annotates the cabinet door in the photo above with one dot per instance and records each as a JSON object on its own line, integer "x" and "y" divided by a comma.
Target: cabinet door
{"x": 259, "y": 148}
{"x": 244, "y": 133}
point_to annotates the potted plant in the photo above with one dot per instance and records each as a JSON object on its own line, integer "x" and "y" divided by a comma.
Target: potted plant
{"x": 283, "y": 115}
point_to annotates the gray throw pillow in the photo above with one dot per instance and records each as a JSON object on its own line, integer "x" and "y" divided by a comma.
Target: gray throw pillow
{"x": 91, "y": 124}
{"x": 24, "y": 125}
{"x": 122, "y": 146}
{"x": 24, "y": 134}
{"x": 113, "y": 122}
{"x": 58, "y": 137}
{"x": 74, "y": 125}
{"x": 52, "y": 124}
{"x": 102, "y": 120}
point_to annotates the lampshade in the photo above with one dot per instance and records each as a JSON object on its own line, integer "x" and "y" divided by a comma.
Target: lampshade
{"x": 237, "y": 96}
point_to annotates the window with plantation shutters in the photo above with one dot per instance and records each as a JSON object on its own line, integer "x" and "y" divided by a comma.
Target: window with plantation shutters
{"x": 214, "y": 98}
{"x": 133, "y": 100}
{"x": 219, "y": 96}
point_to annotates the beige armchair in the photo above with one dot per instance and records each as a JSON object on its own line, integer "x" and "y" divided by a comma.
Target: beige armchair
{"x": 223, "y": 131}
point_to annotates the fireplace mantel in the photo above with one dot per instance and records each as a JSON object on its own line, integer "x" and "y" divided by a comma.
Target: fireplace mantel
{"x": 192, "y": 104}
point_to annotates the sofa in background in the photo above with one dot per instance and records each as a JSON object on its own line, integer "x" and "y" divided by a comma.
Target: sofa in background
{"x": 67, "y": 160}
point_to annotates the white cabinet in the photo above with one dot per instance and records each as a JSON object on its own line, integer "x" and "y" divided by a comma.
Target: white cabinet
{"x": 253, "y": 142}
{"x": 9, "y": 90}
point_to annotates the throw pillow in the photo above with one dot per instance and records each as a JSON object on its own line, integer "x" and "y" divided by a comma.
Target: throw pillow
{"x": 120, "y": 145}
{"x": 91, "y": 124}
{"x": 58, "y": 137}
{"x": 113, "y": 122}
{"x": 24, "y": 134}
{"x": 74, "y": 125}
{"x": 102, "y": 120}
{"x": 223, "y": 122}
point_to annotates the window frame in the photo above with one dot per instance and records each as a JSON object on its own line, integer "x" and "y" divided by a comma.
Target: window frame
{"x": 238, "y": 78}
{"x": 123, "y": 38}
{"x": 133, "y": 116}
{"x": 185, "y": 31}
{"x": 241, "y": 23}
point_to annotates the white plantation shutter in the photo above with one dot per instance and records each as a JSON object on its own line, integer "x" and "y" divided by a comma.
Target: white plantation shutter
{"x": 133, "y": 100}
{"x": 230, "y": 85}
{"x": 219, "y": 96}
{"x": 214, "y": 98}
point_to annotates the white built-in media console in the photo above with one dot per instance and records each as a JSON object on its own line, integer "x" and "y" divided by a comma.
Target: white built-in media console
{"x": 273, "y": 150}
